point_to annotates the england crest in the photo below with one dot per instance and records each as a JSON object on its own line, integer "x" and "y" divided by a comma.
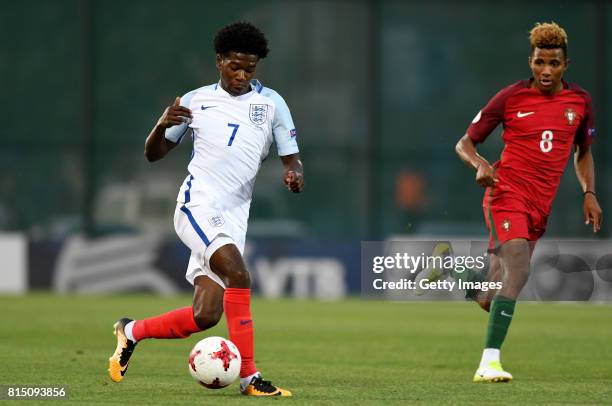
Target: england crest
{"x": 258, "y": 113}
{"x": 216, "y": 220}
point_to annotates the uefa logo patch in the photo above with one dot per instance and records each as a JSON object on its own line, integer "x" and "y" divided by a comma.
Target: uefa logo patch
{"x": 216, "y": 221}
{"x": 258, "y": 113}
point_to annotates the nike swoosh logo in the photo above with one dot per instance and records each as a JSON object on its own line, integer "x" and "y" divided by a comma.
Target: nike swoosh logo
{"x": 521, "y": 115}
{"x": 503, "y": 313}
{"x": 243, "y": 322}
{"x": 207, "y": 107}
{"x": 124, "y": 370}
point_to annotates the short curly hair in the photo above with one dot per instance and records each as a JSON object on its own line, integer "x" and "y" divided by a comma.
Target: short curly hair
{"x": 242, "y": 37}
{"x": 548, "y": 36}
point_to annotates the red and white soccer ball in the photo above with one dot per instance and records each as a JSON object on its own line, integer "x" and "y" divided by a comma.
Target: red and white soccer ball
{"x": 215, "y": 362}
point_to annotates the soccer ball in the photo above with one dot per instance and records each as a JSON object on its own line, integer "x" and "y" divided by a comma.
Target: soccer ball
{"x": 214, "y": 362}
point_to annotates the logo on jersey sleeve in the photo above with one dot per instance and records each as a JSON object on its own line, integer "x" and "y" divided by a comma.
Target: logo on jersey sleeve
{"x": 258, "y": 113}
{"x": 293, "y": 133}
{"x": 477, "y": 118}
{"x": 570, "y": 115}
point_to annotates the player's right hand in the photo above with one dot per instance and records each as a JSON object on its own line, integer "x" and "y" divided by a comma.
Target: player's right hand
{"x": 175, "y": 115}
{"x": 592, "y": 211}
{"x": 485, "y": 175}
{"x": 294, "y": 181}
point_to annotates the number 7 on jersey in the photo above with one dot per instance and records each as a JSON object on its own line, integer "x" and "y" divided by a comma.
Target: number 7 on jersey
{"x": 235, "y": 127}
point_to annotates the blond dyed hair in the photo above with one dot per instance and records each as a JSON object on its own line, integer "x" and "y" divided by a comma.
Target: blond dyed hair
{"x": 548, "y": 36}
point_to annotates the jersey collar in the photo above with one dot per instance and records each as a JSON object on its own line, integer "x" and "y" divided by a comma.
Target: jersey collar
{"x": 256, "y": 86}
{"x": 529, "y": 81}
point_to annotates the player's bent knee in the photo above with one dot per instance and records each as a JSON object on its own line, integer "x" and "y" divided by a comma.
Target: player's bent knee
{"x": 228, "y": 264}
{"x": 517, "y": 246}
{"x": 240, "y": 278}
{"x": 207, "y": 319}
{"x": 237, "y": 278}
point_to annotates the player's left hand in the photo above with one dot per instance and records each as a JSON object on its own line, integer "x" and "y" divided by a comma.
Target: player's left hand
{"x": 592, "y": 211}
{"x": 294, "y": 181}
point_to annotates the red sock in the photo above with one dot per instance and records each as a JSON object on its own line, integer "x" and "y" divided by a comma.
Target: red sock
{"x": 178, "y": 323}
{"x": 237, "y": 306}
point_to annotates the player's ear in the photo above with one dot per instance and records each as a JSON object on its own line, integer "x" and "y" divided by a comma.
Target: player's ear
{"x": 219, "y": 61}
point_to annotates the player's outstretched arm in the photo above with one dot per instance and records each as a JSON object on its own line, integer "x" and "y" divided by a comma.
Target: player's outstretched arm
{"x": 293, "y": 173}
{"x": 485, "y": 173}
{"x": 585, "y": 171}
{"x": 157, "y": 145}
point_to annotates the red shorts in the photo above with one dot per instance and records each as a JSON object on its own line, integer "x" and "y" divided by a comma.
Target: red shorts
{"x": 508, "y": 217}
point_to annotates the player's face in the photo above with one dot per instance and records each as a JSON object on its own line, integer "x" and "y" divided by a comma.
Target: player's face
{"x": 548, "y": 66}
{"x": 236, "y": 70}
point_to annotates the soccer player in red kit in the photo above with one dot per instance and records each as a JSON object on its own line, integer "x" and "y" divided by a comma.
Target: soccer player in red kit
{"x": 543, "y": 118}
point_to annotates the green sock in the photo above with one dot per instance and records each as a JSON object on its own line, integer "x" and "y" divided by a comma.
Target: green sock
{"x": 502, "y": 310}
{"x": 469, "y": 275}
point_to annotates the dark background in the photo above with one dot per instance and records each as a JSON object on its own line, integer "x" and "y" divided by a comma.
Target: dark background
{"x": 380, "y": 92}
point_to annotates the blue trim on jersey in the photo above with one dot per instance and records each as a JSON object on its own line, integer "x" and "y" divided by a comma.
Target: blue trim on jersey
{"x": 195, "y": 225}
{"x": 257, "y": 85}
{"x": 216, "y": 85}
{"x": 187, "y": 192}
{"x": 182, "y": 135}
{"x": 192, "y": 220}
{"x": 193, "y": 150}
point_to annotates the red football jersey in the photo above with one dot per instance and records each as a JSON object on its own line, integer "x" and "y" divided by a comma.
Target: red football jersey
{"x": 539, "y": 131}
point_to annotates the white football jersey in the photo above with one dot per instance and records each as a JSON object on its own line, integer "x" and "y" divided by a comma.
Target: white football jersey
{"x": 232, "y": 135}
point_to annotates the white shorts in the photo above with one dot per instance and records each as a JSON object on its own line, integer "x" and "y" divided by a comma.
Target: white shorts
{"x": 204, "y": 230}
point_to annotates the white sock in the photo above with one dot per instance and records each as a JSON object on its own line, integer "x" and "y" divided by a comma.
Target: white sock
{"x": 128, "y": 331}
{"x": 244, "y": 382}
{"x": 489, "y": 355}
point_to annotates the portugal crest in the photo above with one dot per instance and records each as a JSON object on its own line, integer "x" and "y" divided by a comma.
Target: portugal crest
{"x": 258, "y": 113}
{"x": 506, "y": 225}
{"x": 570, "y": 116}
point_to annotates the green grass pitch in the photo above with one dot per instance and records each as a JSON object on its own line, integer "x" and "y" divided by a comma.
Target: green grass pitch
{"x": 348, "y": 352}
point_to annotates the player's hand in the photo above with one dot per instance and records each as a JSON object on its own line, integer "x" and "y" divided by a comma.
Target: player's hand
{"x": 294, "y": 181}
{"x": 175, "y": 115}
{"x": 592, "y": 211}
{"x": 485, "y": 175}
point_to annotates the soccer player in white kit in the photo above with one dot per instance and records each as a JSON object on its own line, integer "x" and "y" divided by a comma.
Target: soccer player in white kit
{"x": 233, "y": 124}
